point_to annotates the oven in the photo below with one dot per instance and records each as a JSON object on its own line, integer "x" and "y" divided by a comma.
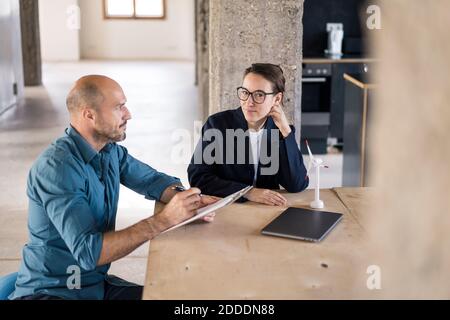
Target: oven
{"x": 316, "y": 102}
{"x": 316, "y": 87}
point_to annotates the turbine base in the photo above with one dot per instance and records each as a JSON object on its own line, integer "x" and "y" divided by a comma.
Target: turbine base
{"x": 316, "y": 204}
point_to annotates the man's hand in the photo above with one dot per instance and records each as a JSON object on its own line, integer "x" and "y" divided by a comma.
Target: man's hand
{"x": 182, "y": 206}
{"x": 266, "y": 196}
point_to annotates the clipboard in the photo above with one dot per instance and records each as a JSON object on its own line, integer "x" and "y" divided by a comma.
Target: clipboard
{"x": 212, "y": 207}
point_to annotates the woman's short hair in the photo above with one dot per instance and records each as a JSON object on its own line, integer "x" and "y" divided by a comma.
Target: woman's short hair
{"x": 271, "y": 72}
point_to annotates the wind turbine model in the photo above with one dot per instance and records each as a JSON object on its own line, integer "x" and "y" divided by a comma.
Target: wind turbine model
{"x": 317, "y": 163}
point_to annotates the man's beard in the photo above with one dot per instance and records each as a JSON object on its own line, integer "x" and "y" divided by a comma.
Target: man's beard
{"x": 105, "y": 135}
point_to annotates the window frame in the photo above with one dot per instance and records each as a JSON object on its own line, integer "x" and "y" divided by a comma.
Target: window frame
{"x": 133, "y": 17}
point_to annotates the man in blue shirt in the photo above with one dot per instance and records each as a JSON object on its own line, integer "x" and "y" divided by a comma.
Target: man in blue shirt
{"x": 73, "y": 191}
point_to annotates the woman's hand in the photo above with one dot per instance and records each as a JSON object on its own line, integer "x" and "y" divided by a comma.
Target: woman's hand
{"x": 266, "y": 196}
{"x": 280, "y": 119}
{"x": 205, "y": 201}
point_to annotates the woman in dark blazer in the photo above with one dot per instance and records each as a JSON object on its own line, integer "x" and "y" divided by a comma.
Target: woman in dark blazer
{"x": 251, "y": 145}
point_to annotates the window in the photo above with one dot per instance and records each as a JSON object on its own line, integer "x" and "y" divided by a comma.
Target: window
{"x": 134, "y": 9}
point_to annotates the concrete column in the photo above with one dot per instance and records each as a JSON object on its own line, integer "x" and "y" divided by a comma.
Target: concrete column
{"x": 202, "y": 53}
{"x": 31, "y": 44}
{"x": 242, "y": 32}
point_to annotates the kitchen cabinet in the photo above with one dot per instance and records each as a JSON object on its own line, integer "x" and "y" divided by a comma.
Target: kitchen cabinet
{"x": 323, "y": 89}
{"x": 359, "y": 92}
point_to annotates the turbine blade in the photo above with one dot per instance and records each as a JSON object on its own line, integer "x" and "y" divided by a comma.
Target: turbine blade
{"x": 309, "y": 168}
{"x": 309, "y": 150}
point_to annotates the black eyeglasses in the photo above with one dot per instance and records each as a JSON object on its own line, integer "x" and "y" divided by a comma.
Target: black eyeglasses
{"x": 258, "y": 96}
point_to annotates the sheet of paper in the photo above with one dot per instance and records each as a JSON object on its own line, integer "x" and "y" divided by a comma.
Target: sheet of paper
{"x": 212, "y": 207}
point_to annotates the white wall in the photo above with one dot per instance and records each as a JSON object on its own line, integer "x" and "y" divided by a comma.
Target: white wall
{"x": 171, "y": 38}
{"x": 10, "y": 54}
{"x": 59, "y": 40}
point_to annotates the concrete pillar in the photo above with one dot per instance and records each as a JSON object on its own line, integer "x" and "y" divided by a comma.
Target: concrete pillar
{"x": 202, "y": 53}
{"x": 31, "y": 44}
{"x": 239, "y": 33}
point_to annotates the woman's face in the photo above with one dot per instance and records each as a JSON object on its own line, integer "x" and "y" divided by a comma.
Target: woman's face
{"x": 253, "y": 111}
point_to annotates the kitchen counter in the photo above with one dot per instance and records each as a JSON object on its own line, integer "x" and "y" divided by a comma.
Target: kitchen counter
{"x": 346, "y": 58}
{"x": 360, "y": 80}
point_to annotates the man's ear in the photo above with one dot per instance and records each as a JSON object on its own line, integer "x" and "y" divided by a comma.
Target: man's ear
{"x": 88, "y": 114}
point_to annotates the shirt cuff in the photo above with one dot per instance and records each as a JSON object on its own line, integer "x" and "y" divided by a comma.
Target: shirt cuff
{"x": 157, "y": 188}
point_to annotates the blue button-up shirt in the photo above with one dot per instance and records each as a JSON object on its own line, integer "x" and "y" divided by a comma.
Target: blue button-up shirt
{"x": 73, "y": 193}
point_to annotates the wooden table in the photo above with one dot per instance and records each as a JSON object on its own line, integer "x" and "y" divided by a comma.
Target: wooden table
{"x": 230, "y": 259}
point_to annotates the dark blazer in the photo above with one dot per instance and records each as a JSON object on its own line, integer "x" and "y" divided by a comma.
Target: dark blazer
{"x": 224, "y": 179}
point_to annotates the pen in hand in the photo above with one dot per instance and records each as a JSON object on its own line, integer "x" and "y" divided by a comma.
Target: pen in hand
{"x": 181, "y": 189}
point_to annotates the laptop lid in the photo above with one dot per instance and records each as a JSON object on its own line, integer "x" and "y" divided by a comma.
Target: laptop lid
{"x": 302, "y": 224}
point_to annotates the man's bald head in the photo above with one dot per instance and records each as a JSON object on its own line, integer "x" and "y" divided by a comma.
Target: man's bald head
{"x": 97, "y": 106}
{"x": 89, "y": 91}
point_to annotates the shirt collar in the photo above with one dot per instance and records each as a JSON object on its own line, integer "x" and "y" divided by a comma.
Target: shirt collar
{"x": 86, "y": 150}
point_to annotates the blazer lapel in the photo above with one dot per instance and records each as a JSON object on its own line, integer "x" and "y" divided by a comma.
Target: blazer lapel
{"x": 241, "y": 123}
{"x": 266, "y": 148}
